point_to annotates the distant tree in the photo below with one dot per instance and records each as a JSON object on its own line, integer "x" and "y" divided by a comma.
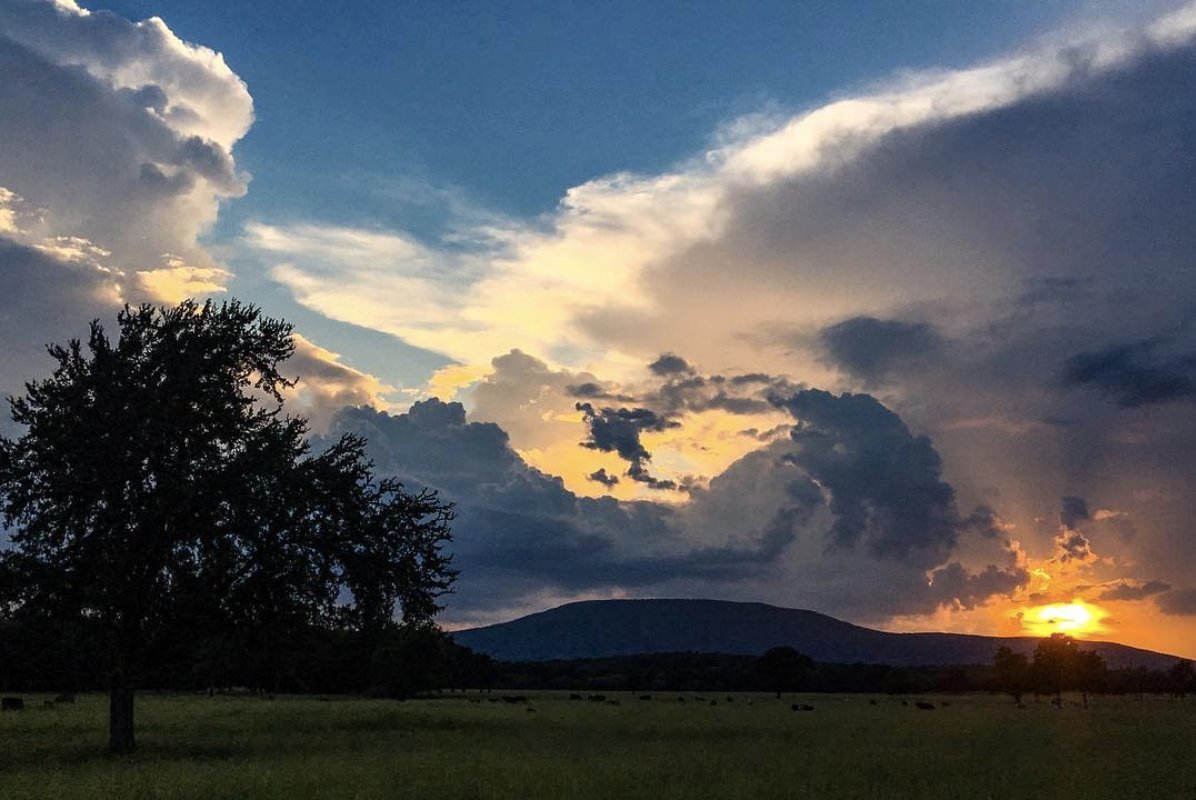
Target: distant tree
{"x": 157, "y": 480}
{"x": 1089, "y": 672}
{"x": 1182, "y": 678}
{"x": 1012, "y": 672}
{"x": 782, "y": 669}
{"x": 1053, "y": 668}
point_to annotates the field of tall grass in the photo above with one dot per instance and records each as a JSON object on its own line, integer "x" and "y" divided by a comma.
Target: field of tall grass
{"x": 464, "y": 746}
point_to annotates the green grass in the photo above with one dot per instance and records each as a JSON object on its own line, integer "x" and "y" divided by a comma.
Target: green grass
{"x": 242, "y": 747}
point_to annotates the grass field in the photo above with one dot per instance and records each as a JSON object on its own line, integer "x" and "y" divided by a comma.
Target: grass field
{"x": 755, "y": 747}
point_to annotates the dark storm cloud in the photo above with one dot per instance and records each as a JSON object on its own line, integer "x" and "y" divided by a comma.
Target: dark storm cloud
{"x": 1179, "y": 603}
{"x": 670, "y": 364}
{"x": 953, "y": 584}
{"x": 887, "y": 490}
{"x": 520, "y": 530}
{"x": 1154, "y": 370}
{"x": 1133, "y": 590}
{"x": 872, "y": 348}
{"x": 617, "y": 430}
{"x": 1073, "y": 546}
{"x": 603, "y": 477}
{"x": 1073, "y": 511}
{"x": 984, "y": 521}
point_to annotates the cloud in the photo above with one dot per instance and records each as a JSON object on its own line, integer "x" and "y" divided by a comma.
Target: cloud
{"x": 760, "y": 528}
{"x": 117, "y": 154}
{"x": 1073, "y": 511}
{"x": 1178, "y": 603}
{"x": 871, "y": 348}
{"x": 926, "y": 189}
{"x": 669, "y": 364}
{"x": 618, "y": 430}
{"x": 603, "y": 477}
{"x": 1159, "y": 369}
{"x": 324, "y": 384}
{"x": 1133, "y": 590}
{"x": 886, "y": 484}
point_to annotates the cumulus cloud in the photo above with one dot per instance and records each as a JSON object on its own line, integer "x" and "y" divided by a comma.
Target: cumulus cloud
{"x": 997, "y": 252}
{"x": 117, "y": 153}
{"x": 767, "y": 526}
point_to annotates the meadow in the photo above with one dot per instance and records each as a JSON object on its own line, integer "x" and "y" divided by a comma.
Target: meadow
{"x": 464, "y": 746}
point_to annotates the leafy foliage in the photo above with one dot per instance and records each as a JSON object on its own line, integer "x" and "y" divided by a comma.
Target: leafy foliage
{"x": 158, "y": 483}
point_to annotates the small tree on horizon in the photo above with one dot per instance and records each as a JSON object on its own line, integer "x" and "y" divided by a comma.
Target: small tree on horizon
{"x": 1012, "y": 672}
{"x": 157, "y": 474}
{"x": 783, "y": 669}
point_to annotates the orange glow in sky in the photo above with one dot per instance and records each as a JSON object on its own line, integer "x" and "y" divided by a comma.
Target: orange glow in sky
{"x": 1076, "y": 618}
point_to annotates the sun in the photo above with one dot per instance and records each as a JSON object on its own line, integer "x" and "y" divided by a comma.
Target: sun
{"x": 1077, "y": 618}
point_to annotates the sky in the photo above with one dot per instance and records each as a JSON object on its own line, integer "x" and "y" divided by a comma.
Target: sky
{"x": 881, "y": 310}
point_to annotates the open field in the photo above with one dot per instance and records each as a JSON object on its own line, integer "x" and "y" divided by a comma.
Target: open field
{"x": 753, "y": 747}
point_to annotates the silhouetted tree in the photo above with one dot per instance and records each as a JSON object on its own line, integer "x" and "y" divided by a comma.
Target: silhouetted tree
{"x": 158, "y": 480}
{"x": 1182, "y": 678}
{"x": 782, "y": 669}
{"x": 1089, "y": 673}
{"x": 1012, "y": 672}
{"x": 1051, "y": 669}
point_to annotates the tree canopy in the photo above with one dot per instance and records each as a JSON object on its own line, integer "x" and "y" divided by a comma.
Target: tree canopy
{"x": 158, "y": 480}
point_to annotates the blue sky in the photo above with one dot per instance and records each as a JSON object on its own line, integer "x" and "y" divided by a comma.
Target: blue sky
{"x": 880, "y": 309}
{"x": 370, "y": 116}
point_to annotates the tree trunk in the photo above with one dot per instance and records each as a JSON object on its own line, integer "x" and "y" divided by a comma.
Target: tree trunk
{"x": 120, "y": 720}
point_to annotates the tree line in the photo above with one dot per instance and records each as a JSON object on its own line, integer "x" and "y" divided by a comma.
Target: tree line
{"x": 1058, "y": 665}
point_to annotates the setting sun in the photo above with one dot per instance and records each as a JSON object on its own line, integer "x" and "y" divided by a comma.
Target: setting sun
{"x": 1077, "y": 618}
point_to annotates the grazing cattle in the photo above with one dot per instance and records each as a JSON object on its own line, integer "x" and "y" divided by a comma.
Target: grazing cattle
{"x": 12, "y": 704}
{"x": 65, "y": 698}
{"x": 730, "y": 699}
{"x": 924, "y": 706}
{"x": 800, "y": 707}
{"x": 575, "y": 697}
{"x": 597, "y": 698}
{"x": 531, "y": 710}
{"x": 514, "y": 699}
{"x": 645, "y": 697}
{"x": 680, "y": 699}
{"x": 872, "y": 702}
{"x": 905, "y": 702}
{"x": 714, "y": 702}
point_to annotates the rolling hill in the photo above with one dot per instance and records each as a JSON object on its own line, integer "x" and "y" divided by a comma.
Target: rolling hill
{"x": 602, "y": 628}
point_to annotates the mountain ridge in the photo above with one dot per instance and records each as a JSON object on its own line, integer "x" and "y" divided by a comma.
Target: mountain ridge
{"x": 607, "y": 628}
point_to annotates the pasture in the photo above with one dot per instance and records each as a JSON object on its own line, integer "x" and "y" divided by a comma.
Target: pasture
{"x": 464, "y": 746}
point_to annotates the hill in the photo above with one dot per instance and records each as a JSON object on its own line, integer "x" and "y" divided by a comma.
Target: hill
{"x": 603, "y": 628}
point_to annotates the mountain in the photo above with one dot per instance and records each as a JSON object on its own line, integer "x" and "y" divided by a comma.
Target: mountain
{"x": 601, "y": 628}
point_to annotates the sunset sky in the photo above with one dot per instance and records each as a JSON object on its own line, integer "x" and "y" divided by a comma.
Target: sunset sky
{"x": 882, "y": 310}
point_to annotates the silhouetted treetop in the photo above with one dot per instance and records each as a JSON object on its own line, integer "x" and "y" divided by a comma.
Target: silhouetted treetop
{"x": 158, "y": 479}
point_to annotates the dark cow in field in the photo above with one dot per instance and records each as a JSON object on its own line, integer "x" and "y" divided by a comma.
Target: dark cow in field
{"x": 645, "y": 697}
{"x": 575, "y": 697}
{"x": 12, "y": 704}
{"x": 800, "y": 707}
{"x": 597, "y": 698}
{"x": 924, "y": 706}
{"x": 514, "y": 699}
